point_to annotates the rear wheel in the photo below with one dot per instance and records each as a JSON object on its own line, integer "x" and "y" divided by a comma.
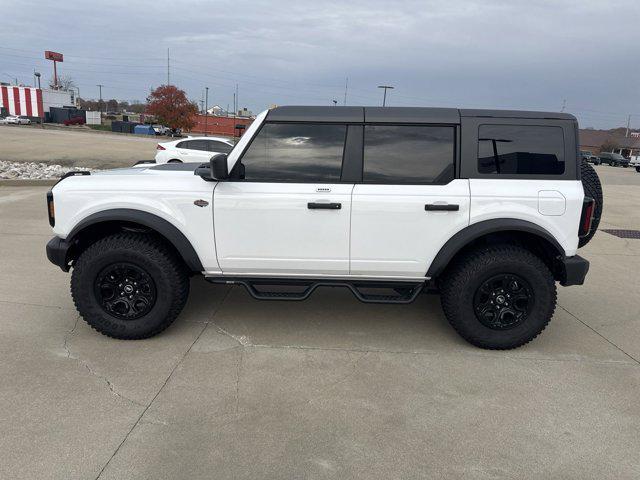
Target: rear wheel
{"x": 129, "y": 286}
{"x": 175, "y": 160}
{"x": 592, "y": 188}
{"x": 498, "y": 297}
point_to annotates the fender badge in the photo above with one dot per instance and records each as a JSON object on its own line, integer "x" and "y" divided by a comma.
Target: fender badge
{"x": 201, "y": 203}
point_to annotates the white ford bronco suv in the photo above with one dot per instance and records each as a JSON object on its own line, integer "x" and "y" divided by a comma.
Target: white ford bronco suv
{"x": 486, "y": 207}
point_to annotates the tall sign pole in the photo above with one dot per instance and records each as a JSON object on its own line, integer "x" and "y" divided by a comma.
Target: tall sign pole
{"x": 55, "y": 57}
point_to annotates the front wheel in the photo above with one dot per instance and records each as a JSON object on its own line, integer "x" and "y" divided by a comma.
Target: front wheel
{"x": 129, "y": 286}
{"x": 498, "y": 297}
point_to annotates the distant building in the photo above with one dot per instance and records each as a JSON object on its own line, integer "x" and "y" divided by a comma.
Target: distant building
{"x": 217, "y": 110}
{"x": 227, "y": 126}
{"x": 33, "y": 102}
{"x": 592, "y": 140}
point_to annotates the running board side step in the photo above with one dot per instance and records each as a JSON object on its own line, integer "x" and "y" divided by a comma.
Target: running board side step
{"x": 404, "y": 292}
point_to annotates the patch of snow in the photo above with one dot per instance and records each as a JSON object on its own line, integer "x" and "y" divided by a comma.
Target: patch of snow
{"x": 34, "y": 170}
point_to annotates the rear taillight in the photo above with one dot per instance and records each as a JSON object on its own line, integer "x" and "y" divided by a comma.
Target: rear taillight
{"x": 586, "y": 219}
{"x": 50, "y": 209}
{"x": 160, "y": 147}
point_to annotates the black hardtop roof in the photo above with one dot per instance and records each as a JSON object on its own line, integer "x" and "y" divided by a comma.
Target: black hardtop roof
{"x": 298, "y": 113}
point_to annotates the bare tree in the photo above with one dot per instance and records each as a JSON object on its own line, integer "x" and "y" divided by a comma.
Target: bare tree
{"x": 65, "y": 82}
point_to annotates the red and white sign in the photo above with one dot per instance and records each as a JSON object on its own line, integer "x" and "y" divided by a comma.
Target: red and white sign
{"x": 55, "y": 56}
{"x": 22, "y": 101}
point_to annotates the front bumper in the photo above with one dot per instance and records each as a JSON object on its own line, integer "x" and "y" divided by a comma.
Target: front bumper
{"x": 573, "y": 270}
{"x": 57, "y": 250}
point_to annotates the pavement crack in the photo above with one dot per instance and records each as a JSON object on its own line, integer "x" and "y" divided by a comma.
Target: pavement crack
{"x": 238, "y": 375}
{"x": 70, "y": 356}
{"x": 110, "y": 385}
{"x": 600, "y": 335}
{"x": 68, "y": 336}
{"x": 164, "y": 384}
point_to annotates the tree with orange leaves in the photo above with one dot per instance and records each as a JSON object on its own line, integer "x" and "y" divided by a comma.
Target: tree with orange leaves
{"x": 171, "y": 107}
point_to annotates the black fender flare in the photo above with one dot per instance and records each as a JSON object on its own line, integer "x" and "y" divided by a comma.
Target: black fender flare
{"x": 477, "y": 230}
{"x": 165, "y": 228}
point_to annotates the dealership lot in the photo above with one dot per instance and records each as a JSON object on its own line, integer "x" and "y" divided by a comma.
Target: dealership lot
{"x": 327, "y": 388}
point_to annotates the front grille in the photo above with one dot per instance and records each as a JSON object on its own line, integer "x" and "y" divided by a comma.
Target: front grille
{"x": 624, "y": 233}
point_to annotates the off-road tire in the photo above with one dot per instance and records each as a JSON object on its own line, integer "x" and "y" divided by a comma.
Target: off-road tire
{"x": 592, "y": 188}
{"x": 147, "y": 252}
{"x": 462, "y": 279}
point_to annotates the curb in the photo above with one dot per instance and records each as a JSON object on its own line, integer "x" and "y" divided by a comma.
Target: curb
{"x": 28, "y": 182}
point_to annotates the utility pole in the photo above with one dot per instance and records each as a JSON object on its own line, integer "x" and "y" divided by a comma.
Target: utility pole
{"x": 335, "y": 102}
{"x": 100, "y": 102}
{"x": 168, "y": 80}
{"x": 206, "y": 109}
{"x": 346, "y": 86}
{"x": 384, "y": 98}
{"x": 237, "y": 99}
{"x": 628, "y": 125}
{"x": 564, "y": 104}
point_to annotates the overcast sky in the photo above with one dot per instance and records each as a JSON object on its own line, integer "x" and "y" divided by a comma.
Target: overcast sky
{"x": 531, "y": 54}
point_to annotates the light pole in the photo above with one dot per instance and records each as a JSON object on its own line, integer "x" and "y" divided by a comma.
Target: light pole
{"x": 206, "y": 109}
{"x": 335, "y": 102}
{"x": 384, "y": 98}
{"x": 37, "y": 74}
{"x": 100, "y": 102}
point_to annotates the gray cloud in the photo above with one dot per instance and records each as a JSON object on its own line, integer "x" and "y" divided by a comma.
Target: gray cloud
{"x": 513, "y": 54}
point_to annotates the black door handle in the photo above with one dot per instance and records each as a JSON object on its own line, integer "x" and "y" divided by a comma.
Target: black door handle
{"x": 442, "y": 207}
{"x": 323, "y": 206}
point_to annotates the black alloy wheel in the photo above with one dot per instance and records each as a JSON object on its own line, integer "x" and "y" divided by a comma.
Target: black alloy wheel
{"x": 125, "y": 291}
{"x": 503, "y": 301}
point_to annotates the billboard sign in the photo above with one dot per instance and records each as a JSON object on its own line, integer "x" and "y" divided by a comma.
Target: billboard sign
{"x": 55, "y": 56}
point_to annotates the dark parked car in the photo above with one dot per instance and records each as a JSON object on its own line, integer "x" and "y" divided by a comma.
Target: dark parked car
{"x": 613, "y": 159}
{"x": 588, "y": 156}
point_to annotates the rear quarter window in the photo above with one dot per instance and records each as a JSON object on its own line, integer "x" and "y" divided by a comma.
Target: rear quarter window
{"x": 521, "y": 150}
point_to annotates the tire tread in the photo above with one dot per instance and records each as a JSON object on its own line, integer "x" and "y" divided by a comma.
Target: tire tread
{"x": 154, "y": 249}
{"x": 471, "y": 264}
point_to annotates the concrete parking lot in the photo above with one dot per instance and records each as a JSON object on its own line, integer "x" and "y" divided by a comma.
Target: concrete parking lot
{"x": 327, "y": 388}
{"x": 75, "y": 147}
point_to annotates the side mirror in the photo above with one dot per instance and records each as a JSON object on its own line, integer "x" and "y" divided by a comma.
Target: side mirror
{"x": 219, "y": 168}
{"x": 204, "y": 172}
{"x": 215, "y": 170}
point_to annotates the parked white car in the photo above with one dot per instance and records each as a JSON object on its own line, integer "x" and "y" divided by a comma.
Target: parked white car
{"x": 18, "y": 120}
{"x": 192, "y": 149}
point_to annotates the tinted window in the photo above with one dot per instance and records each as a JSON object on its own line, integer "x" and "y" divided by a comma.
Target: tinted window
{"x": 198, "y": 145}
{"x": 184, "y": 144}
{"x": 520, "y": 149}
{"x": 408, "y": 154}
{"x": 215, "y": 146}
{"x": 296, "y": 153}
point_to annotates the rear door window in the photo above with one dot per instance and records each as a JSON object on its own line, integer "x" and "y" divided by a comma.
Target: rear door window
{"x": 520, "y": 150}
{"x": 407, "y": 154}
